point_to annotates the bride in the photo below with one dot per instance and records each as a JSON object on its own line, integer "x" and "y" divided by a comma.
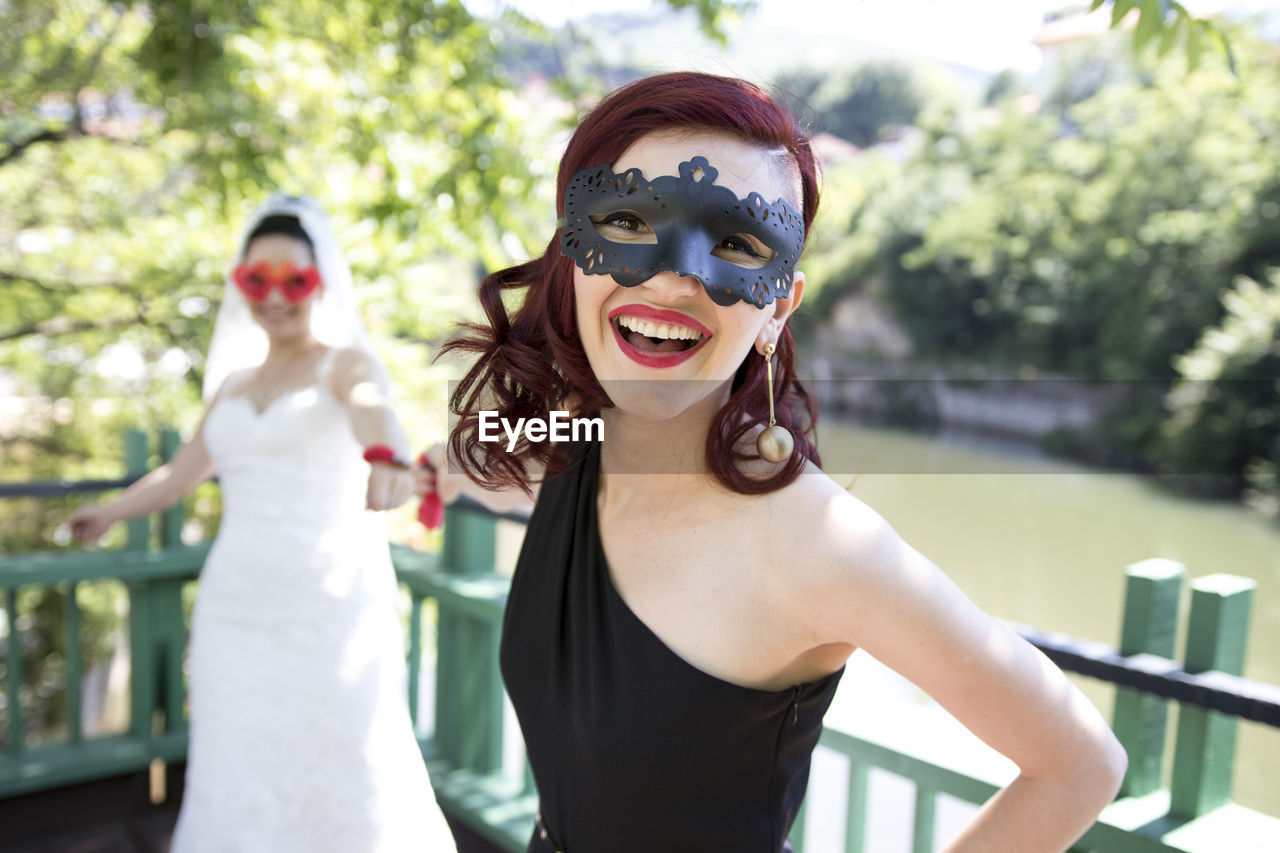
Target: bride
{"x": 300, "y": 732}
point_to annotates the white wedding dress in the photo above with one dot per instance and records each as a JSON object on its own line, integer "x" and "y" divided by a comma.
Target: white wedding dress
{"x": 300, "y": 731}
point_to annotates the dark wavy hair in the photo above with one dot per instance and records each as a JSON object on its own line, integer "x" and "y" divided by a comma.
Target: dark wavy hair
{"x": 531, "y": 361}
{"x": 284, "y": 224}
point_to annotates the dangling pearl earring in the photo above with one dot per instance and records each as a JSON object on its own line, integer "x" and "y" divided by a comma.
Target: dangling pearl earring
{"x": 774, "y": 443}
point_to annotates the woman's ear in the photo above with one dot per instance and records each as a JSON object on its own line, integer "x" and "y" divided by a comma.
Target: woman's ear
{"x": 783, "y": 307}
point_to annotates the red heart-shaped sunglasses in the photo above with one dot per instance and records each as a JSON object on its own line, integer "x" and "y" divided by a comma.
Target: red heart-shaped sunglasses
{"x": 295, "y": 284}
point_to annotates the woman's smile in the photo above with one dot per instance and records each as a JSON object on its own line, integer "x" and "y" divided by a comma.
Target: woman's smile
{"x": 657, "y": 338}
{"x": 275, "y": 313}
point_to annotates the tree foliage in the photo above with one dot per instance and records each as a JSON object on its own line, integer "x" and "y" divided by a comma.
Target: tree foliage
{"x": 862, "y": 105}
{"x": 1099, "y": 248}
{"x": 134, "y": 137}
{"x": 1225, "y": 408}
{"x": 1166, "y": 23}
{"x": 1095, "y": 239}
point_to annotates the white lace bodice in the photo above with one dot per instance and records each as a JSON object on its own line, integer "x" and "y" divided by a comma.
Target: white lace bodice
{"x": 295, "y": 462}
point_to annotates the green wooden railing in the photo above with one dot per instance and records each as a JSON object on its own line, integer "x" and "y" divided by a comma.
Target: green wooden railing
{"x": 460, "y": 589}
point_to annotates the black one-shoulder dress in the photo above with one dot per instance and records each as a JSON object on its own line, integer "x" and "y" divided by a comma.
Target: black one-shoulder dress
{"x": 633, "y": 749}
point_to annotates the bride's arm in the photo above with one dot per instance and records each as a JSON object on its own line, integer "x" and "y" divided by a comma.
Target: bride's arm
{"x": 360, "y": 382}
{"x": 157, "y": 490}
{"x": 445, "y": 477}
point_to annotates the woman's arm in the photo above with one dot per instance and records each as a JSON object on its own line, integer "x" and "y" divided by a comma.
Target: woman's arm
{"x": 158, "y": 490}
{"x": 360, "y": 382}
{"x": 876, "y": 592}
{"x": 445, "y": 478}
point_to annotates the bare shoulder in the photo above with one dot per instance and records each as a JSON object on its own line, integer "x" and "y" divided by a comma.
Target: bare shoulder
{"x": 237, "y": 382}
{"x": 352, "y": 359}
{"x": 347, "y": 354}
{"x": 352, "y": 366}
{"x": 837, "y": 558}
{"x": 834, "y": 531}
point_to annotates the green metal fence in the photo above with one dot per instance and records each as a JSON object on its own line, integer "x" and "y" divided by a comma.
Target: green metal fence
{"x": 466, "y": 747}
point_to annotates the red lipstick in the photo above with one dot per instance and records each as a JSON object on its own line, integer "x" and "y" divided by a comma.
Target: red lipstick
{"x": 657, "y": 315}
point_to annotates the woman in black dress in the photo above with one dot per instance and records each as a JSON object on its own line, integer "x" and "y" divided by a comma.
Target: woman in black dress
{"x": 690, "y": 587}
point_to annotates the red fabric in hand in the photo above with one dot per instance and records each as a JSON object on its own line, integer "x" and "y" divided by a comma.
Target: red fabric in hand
{"x": 431, "y": 510}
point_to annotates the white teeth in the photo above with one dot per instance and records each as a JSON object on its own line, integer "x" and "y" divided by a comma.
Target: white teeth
{"x": 650, "y": 329}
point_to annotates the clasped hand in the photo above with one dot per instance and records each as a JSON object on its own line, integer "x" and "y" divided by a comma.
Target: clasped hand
{"x": 389, "y": 486}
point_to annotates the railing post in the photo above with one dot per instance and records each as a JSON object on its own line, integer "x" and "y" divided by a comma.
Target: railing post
{"x": 157, "y": 633}
{"x": 142, "y": 650}
{"x": 1152, "y": 591}
{"x": 142, "y": 660}
{"x": 470, "y": 549}
{"x": 855, "y": 818}
{"x": 157, "y": 637}
{"x": 166, "y": 598}
{"x": 13, "y": 685}
{"x": 923, "y": 819}
{"x": 171, "y": 523}
{"x": 415, "y": 654}
{"x": 136, "y": 457}
{"x": 75, "y": 660}
{"x": 468, "y": 683}
{"x": 171, "y": 643}
{"x": 1217, "y": 633}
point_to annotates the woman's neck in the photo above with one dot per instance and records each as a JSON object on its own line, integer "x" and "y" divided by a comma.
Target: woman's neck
{"x": 281, "y": 350}
{"x": 674, "y": 447}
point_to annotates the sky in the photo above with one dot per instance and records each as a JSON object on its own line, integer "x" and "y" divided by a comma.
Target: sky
{"x": 985, "y": 34}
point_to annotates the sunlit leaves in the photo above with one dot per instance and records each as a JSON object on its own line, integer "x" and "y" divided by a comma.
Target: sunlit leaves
{"x": 1095, "y": 240}
{"x": 712, "y": 14}
{"x": 1226, "y": 408}
{"x": 134, "y": 137}
{"x": 1165, "y": 22}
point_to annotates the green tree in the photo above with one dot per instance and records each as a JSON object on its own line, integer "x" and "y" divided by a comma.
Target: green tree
{"x": 1166, "y": 23}
{"x": 1223, "y": 429}
{"x": 134, "y": 137}
{"x": 1005, "y": 84}
{"x": 1100, "y": 251}
{"x": 864, "y": 105}
{"x": 1096, "y": 243}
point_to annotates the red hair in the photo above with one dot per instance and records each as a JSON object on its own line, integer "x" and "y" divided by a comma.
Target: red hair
{"x": 532, "y": 361}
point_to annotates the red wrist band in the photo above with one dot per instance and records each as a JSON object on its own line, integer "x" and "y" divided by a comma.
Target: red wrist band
{"x": 383, "y": 453}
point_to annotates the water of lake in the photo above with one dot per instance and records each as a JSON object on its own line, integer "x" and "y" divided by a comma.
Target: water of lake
{"x": 1045, "y": 543}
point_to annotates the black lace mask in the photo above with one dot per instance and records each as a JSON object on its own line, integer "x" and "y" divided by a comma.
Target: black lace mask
{"x": 633, "y": 228}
